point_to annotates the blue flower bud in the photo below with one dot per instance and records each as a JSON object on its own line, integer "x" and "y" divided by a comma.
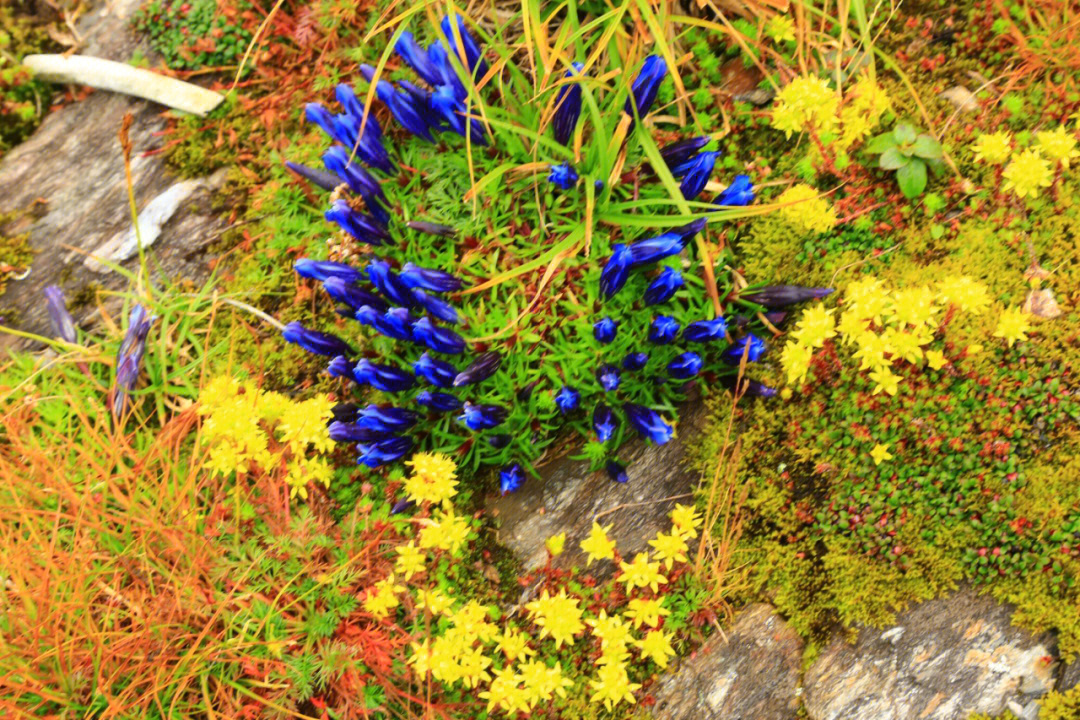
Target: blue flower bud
{"x": 739, "y": 192}
{"x": 401, "y": 506}
{"x": 62, "y": 323}
{"x": 677, "y": 153}
{"x": 345, "y": 411}
{"x": 663, "y": 330}
{"x": 567, "y": 106}
{"x": 383, "y": 377}
{"x": 384, "y": 451}
{"x": 402, "y": 106}
{"x": 510, "y": 478}
{"x": 646, "y": 85}
{"x": 389, "y": 283}
{"x": 417, "y": 58}
{"x": 441, "y": 309}
{"x": 567, "y": 399}
{"x": 499, "y": 441}
{"x": 616, "y": 471}
{"x": 431, "y": 229}
{"x": 448, "y": 77}
{"x": 777, "y": 296}
{"x": 695, "y": 172}
{"x": 429, "y": 279}
{"x": 356, "y": 298}
{"x": 340, "y": 367}
{"x": 670, "y": 243}
{"x": 604, "y": 422}
{"x": 616, "y": 270}
{"x": 474, "y": 57}
{"x": 354, "y": 110}
{"x": 385, "y": 418}
{"x": 748, "y": 387}
{"x": 318, "y": 178}
{"x": 351, "y": 432}
{"x": 663, "y": 287}
{"x": 635, "y": 361}
{"x": 439, "y": 401}
{"x": 129, "y": 357}
{"x": 608, "y": 377}
{"x": 685, "y": 366}
{"x": 395, "y": 323}
{"x": 648, "y": 423}
{"x": 438, "y": 339}
{"x": 756, "y": 349}
{"x": 482, "y": 417}
{"x": 323, "y": 269}
{"x": 453, "y": 110}
{"x": 479, "y": 370}
{"x": 362, "y": 227}
{"x": 604, "y": 330}
{"x": 705, "y": 330}
{"x": 422, "y": 103}
{"x": 562, "y": 175}
{"x": 359, "y": 181}
{"x": 437, "y": 372}
{"x": 314, "y": 341}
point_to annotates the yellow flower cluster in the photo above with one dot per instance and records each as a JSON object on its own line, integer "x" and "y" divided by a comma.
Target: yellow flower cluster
{"x": 885, "y": 326}
{"x": 445, "y": 531}
{"x": 863, "y": 109}
{"x": 801, "y": 206}
{"x": 434, "y": 478}
{"x": 382, "y": 597}
{"x": 1032, "y": 169}
{"x": 808, "y": 103}
{"x": 246, "y": 427}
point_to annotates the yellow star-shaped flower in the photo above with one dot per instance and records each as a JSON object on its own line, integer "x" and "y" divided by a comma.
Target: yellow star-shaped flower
{"x": 880, "y": 453}
{"x": 885, "y": 381}
{"x": 1012, "y": 326}
{"x": 936, "y": 359}
{"x": 657, "y": 647}
{"x": 598, "y": 546}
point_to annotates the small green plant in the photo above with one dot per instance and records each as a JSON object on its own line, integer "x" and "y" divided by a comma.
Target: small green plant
{"x": 909, "y": 153}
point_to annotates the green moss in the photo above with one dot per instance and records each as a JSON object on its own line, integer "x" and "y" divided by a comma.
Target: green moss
{"x": 23, "y": 100}
{"x": 15, "y": 251}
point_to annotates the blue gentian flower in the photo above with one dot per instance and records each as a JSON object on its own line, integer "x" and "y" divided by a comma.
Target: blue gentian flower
{"x": 695, "y": 172}
{"x": 359, "y": 180}
{"x": 474, "y": 57}
{"x": 428, "y": 279}
{"x": 749, "y": 387}
{"x": 670, "y": 243}
{"x": 383, "y": 377}
{"x": 403, "y": 505}
{"x": 635, "y": 361}
{"x": 562, "y": 175}
{"x": 604, "y": 422}
{"x": 663, "y": 330}
{"x": 62, "y": 323}
{"x": 646, "y": 85}
{"x": 319, "y": 178}
{"x": 609, "y": 378}
{"x": 395, "y": 323}
{"x": 663, "y": 287}
{"x": 616, "y": 270}
{"x": 677, "y": 153}
{"x": 453, "y": 110}
{"x": 448, "y": 77}
{"x": 440, "y": 401}
{"x": 739, "y": 192}
{"x": 314, "y": 341}
{"x": 129, "y": 357}
{"x": 362, "y": 227}
{"x": 499, "y": 441}
{"x": 438, "y": 339}
{"x": 481, "y": 369}
{"x": 345, "y": 95}
{"x": 437, "y": 372}
{"x": 616, "y": 471}
{"x": 756, "y": 349}
{"x": 567, "y": 399}
{"x": 777, "y": 296}
{"x": 604, "y": 330}
{"x": 385, "y": 418}
{"x": 685, "y": 366}
{"x": 648, "y": 423}
{"x": 389, "y": 283}
{"x": 340, "y": 367}
{"x": 402, "y": 105}
{"x": 323, "y": 269}
{"x": 345, "y": 411}
{"x": 705, "y": 330}
{"x": 567, "y": 106}
{"x": 482, "y": 417}
{"x": 439, "y": 308}
{"x": 510, "y": 478}
{"x": 431, "y": 229}
{"x": 417, "y": 58}
{"x": 356, "y": 298}
{"x": 422, "y": 103}
{"x": 384, "y": 451}
{"x": 351, "y": 432}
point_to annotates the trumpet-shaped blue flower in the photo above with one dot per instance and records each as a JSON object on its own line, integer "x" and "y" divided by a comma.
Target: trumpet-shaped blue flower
{"x": 616, "y": 471}
{"x": 319, "y": 178}
{"x": 648, "y": 423}
{"x": 401, "y": 104}
{"x": 437, "y": 372}
{"x": 695, "y": 172}
{"x": 417, "y": 58}
{"x": 340, "y": 367}
{"x": 604, "y": 330}
{"x": 351, "y": 432}
{"x": 777, "y": 296}
{"x": 323, "y": 269}
{"x": 431, "y": 229}
{"x": 646, "y": 85}
{"x": 635, "y": 361}
{"x": 663, "y": 287}
{"x": 384, "y": 451}
{"x": 706, "y": 330}
{"x": 453, "y": 110}
{"x": 129, "y": 357}
{"x": 562, "y": 175}
{"x": 428, "y": 279}
{"x": 439, "y": 308}
{"x": 345, "y": 292}
{"x": 567, "y": 399}
{"x": 439, "y": 401}
{"x": 389, "y": 283}
{"x": 474, "y": 57}
{"x": 510, "y": 478}
{"x": 670, "y": 243}
{"x": 395, "y": 323}
{"x": 482, "y": 417}
{"x": 752, "y": 344}
{"x": 345, "y": 95}
{"x": 438, "y": 339}
{"x": 362, "y": 227}
{"x": 62, "y": 323}
{"x": 616, "y": 270}
{"x": 479, "y": 370}
{"x": 421, "y": 100}
{"x": 567, "y": 106}
{"x": 609, "y": 378}
{"x": 382, "y": 377}
{"x": 677, "y": 153}
{"x": 385, "y": 418}
{"x": 739, "y": 192}
{"x": 663, "y": 330}
{"x": 604, "y": 422}
{"x": 749, "y": 387}
{"x": 685, "y": 366}
{"x": 448, "y": 77}
{"x": 314, "y": 341}
{"x": 359, "y": 181}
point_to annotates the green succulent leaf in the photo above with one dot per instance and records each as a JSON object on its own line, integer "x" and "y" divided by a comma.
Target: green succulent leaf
{"x": 912, "y": 178}
{"x": 893, "y": 159}
{"x": 880, "y": 143}
{"x": 927, "y": 147}
{"x": 904, "y": 134}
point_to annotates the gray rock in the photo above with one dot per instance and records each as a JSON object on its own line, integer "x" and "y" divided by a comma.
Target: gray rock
{"x": 751, "y": 675}
{"x": 957, "y": 655}
{"x": 1070, "y": 676}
